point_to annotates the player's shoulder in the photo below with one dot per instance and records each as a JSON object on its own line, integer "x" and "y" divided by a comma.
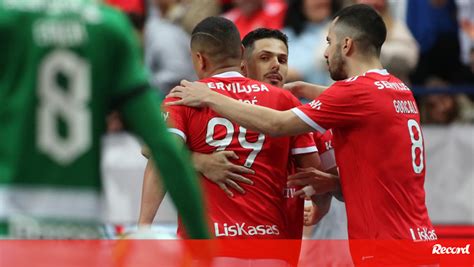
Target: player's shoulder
{"x": 362, "y": 83}
{"x": 377, "y": 80}
{"x": 178, "y": 109}
{"x": 237, "y": 85}
{"x": 167, "y": 100}
{"x": 369, "y": 79}
{"x": 354, "y": 81}
{"x": 170, "y": 99}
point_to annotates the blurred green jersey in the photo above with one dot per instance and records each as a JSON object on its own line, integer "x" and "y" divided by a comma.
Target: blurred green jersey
{"x": 64, "y": 64}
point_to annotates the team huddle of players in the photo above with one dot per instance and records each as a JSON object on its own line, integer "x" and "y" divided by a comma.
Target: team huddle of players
{"x": 254, "y": 144}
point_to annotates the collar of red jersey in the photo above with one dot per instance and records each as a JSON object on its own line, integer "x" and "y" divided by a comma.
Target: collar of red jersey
{"x": 228, "y": 74}
{"x": 378, "y": 71}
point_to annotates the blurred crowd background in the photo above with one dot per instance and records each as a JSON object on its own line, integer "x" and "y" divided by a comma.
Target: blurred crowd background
{"x": 430, "y": 45}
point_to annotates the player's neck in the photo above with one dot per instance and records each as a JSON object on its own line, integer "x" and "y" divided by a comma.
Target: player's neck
{"x": 224, "y": 69}
{"x": 359, "y": 67}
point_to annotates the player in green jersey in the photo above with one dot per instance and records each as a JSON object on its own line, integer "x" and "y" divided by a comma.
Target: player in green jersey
{"x": 65, "y": 64}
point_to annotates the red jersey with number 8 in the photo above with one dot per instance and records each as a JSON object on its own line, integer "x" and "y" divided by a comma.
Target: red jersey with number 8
{"x": 380, "y": 154}
{"x": 260, "y": 212}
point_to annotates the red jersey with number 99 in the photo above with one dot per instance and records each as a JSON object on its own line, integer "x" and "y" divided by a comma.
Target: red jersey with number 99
{"x": 380, "y": 154}
{"x": 260, "y": 212}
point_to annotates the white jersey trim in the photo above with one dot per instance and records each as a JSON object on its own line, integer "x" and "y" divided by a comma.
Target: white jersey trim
{"x": 308, "y": 120}
{"x": 228, "y": 74}
{"x": 304, "y": 150}
{"x": 328, "y": 160}
{"x": 178, "y": 132}
{"x": 42, "y": 202}
{"x": 379, "y": 71}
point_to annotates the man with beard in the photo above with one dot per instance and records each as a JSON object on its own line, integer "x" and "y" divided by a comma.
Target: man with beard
{"x": 367, "y": 109}
{"x": 257, "y": 214}
{"x": 266, "y": 56}
{"x": 266, "y": 59}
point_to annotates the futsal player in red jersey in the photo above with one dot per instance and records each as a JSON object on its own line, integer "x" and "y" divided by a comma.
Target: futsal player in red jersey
{"x": 375, "y": 122}
{"x": 266, "y": 59}
{"x": 258, "y": 213}
{"x": 261, "y": 212}
{"x": 380, "y": 151}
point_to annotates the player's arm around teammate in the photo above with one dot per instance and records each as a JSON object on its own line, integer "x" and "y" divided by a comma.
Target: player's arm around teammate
{"x": 306, "y": 90}
{"x": 257, "y": 118}
{"x": 268, "y": 121}
{"x": 216, "y": 167}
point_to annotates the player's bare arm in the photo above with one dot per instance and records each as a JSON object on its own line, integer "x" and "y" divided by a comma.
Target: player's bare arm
{"x": 152, "y": 195}
{"x": 337, "y": 194}
{"x": 320, "y": 182}
{"x": 217, "y": 168}
{"x": 320, "y": 207}
{"x": 321, "y": 202}
{"x": 252, "y": 117}
{"x": 307, "y": 160}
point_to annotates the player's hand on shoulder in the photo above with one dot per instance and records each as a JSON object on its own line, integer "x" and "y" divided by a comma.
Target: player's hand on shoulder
{"x": 294, "y": 87}
{"x": 219, "y": 169}
{"x": 303, "y": 89}
{"x": 191, "y": 94}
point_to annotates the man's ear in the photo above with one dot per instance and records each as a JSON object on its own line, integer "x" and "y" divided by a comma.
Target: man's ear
{"x": 243, "y": 67}
{"x": 347, "y": 46}
{"x": 202, "y": 61}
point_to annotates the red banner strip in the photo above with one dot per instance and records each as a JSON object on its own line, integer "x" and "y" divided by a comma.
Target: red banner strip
{"x": 143, "y": 253}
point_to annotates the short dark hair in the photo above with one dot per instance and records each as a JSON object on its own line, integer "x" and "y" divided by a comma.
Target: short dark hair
{"x": 218, "y": 38}
{"x": 365, "y": 25}
{"x": 263, "y": 33}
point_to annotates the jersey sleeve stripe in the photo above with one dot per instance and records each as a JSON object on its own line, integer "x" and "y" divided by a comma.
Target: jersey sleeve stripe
{"x": 304, "y": 150}
{"x": 178, "y": 132}
{"x": 308, "y": 120}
